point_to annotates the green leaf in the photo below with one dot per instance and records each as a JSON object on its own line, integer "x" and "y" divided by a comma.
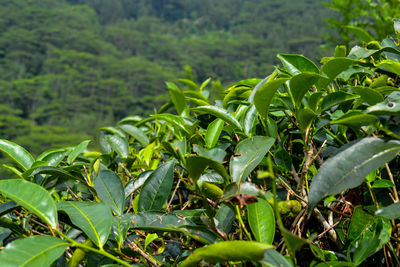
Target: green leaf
{"x": 178, "y": 98}
{"x": 349, "y": 167}
{"x": 135, "y": 133}
{"x": 369, "y": 95}
{"x": 214, "y": 130}
{"x": 262, "y": 221}
{"x": 366, "y": 248}
{"x": 177, "y": 121}
{"x": 295, "y": 64}
{"x": 32, "y": 251}
{"x": 250, "y": 120}
{"x": 120, "y": 227}
{"x": 196, "y": 165}
{"x": 215, "y": 153}
{"x": 391, "y": 108}
{"x": 383, "y": 184}
{"x": 77, "y": 151}
{"x": 360, "y": 33}
{"x": 391, "y": 212}
{"x": 17, "y": 153}
{"x": 221, "y": 252}
{"x": 94, "y": 219}
{"x": 224, "y": 217}
{"x": 389, "y": 65}
{"x": 53, "y": 156}
{"x": 156, "y": 189}
{"x": 119, "y": 144}
{"x": 355, "y": 118}
{"x": 219, "y": 113}
{"x": 273, "y": 258}
{"x": 32, "y": 197}
{"x": 360, "y": 222}
{"x": 335, "y": 66}
{"x": 336, "y": 98}
{"x": 300, "y": 84}
{"x": 134, "y": 185}
{"x": 304, "y": 117}
{"x": 250, "y": 153}
{"x": 157, "y": 221}
{"x": 110, "y": 190}
{"x": 192, "y": 85}
{"x": 264, "y": 94}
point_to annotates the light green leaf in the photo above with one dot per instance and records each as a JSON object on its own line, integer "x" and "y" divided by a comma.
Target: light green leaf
{"x": 110, "y": 190}
{"x": 300, "y": 84}
{"x": 272, "y": 258}
{"x": 94, "y": 219}
{"x": 32, "y": 197}
{"x": 355, "y": 118}
{"x": 219, "y": 113}
{"x": 336, "y": 98}
{"x": 157, "y": 221}
{"x": 264, "y": 94}
{"x": 295, "y": 64}
{"x": 349, "y": 167}
{"x": 250, "y": 120}
{"x": 262, "y": 221}
{"x": 250, "y": 153}
{"x": 156, "y": 189}
{"x": 369, "y": 95}
{"x": 77, "y": 151}
{"x": 304, "y": 117}
{"x": 221, "y": 252}
{"x": 335, "y": 66}
{"x": 214, "y": 130}
{"x": 17, "y": 153}
{"x": 178, "y": 98}
{"x": 389, "y": 65}
{"x": 192, "y": 85}
{"x": 32, "y": 251}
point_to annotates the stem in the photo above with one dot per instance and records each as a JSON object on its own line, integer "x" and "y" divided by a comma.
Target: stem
{"x": 396, "y": 195}
{"x": 242, "y": 223}
{"x": 101, "y": 252}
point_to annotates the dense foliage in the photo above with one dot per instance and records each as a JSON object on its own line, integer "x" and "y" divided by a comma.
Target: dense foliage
{"x": 79, "y": 65}
{"x": 299, "y": 168}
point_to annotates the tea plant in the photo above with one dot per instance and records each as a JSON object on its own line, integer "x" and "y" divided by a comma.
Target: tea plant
{"x": 299, "y": 168}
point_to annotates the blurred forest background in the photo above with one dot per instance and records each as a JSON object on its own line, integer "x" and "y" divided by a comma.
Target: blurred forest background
{"x": 69, "y": 67}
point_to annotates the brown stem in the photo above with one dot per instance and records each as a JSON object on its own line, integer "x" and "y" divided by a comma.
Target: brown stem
{"x": 396, "y": 196}
{"x": 137, "y": 249}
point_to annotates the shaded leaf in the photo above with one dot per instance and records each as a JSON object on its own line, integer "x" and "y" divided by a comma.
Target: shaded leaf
{"x": 214, "y": 130}
{"x": 119, "y": 144}
{"x": 300, "y": 84}
{"x": 136, "y": 133}
{"x": 219, "y": 113}
{"x": 77, "y": 151}
{"x": 391, "y": 212}
{"x": 349, "y": 167}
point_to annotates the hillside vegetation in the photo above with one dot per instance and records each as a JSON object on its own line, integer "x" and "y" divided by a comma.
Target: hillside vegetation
{"x": 79, "y": 65}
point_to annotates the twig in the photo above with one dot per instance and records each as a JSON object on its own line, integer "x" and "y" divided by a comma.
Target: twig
{"x": 173, "y": 194}
{"x": 327, "y": 230}
{"x": 396, "y": 196}
{"x": 137, "y": 249}
{"x": 331, "y": 231}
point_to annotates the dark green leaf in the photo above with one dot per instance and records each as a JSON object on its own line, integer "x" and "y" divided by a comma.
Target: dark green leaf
{"x": 369, "y": 95}
{"x": 196, "y": 165}
{"x": 110, "y": 190}
{"x": 335, "y": 66}
{"x": 157, "y": 221}
{"x": 135, "y": 133}
{"x": 119, "y": 144}
{"x": 391, "y": 212}
{"x": 94, "y": 219}
{"x": 355, "y": 118}
{"x": 273, "y": 258}
{"x": 134, "y": 185}
{"x": 349, "y": 167}
{"x": 156, "y": 189}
